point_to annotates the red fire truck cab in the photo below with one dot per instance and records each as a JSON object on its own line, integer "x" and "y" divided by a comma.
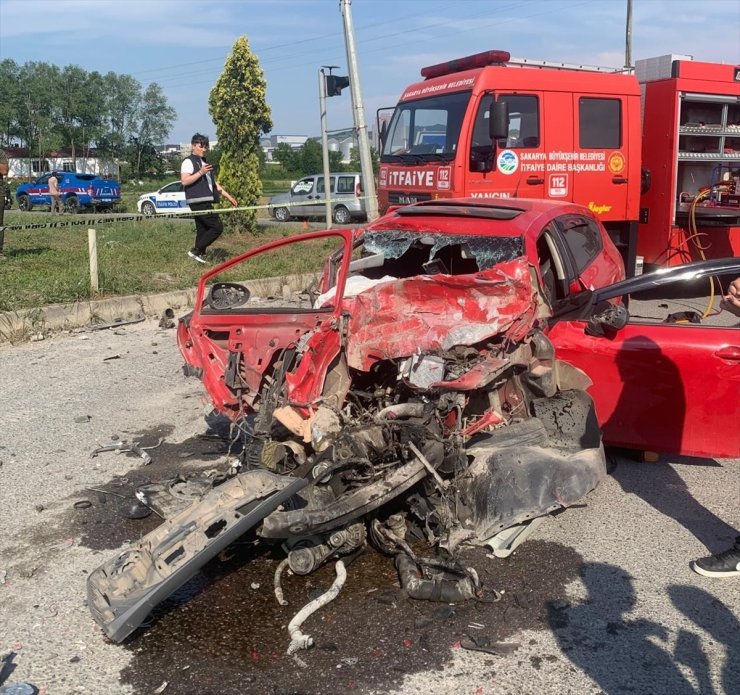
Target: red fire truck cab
{"x": 485, "y": 126}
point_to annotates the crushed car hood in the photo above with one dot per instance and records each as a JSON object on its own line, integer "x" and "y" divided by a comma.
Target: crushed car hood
{"x": 431, "y": 313}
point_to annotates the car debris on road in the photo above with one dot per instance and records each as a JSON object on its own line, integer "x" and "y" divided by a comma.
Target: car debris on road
{"x": 412, "y": 399}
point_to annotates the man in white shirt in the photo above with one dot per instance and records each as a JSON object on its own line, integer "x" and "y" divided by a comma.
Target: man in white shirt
{"x": 201, "y": 192}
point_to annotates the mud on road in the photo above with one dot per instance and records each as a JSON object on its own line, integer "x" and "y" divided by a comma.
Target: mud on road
{"x": 600, "y": 600}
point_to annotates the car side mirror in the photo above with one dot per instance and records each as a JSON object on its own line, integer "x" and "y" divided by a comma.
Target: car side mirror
{"x": 608, "y": 322}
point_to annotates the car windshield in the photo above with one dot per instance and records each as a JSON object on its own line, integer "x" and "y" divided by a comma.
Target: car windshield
{"x": 402, "y": 254}
{"x": 426, "y": 130}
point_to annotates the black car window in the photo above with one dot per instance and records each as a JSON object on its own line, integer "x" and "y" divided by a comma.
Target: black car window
{"x": 599, "y": 123}
{"x": 582, "y": 237}
{"x": 346, "y": 184}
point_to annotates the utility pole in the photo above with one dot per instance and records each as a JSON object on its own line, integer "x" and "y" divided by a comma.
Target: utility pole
{"x": 366, "y": 162}
{"x": 628, "y": 37}
{"x": 325, "y": 142}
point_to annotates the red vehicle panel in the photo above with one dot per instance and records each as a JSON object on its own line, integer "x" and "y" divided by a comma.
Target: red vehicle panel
{"x": 667, "y": 388}
{"x": 691, "y": 147}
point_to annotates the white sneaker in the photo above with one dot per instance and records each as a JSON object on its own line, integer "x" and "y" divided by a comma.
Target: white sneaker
{"x": 196, "y": 257}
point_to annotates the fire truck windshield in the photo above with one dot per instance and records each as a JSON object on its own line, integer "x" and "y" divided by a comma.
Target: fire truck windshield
{"x": 425, "y": 130}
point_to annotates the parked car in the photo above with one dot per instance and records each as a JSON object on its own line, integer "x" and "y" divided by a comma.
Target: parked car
{"x": 306, "y": 199}
{"x": 79, "y": 191}
{"x": 169, "y": 198}
{"x": 421, "y": 386}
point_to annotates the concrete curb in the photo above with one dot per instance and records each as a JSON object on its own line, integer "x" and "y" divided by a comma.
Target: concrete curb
{"x": 27, "y": 324}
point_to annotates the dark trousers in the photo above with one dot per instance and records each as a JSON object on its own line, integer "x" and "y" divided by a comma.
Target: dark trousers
{"x": 208, "y": 228}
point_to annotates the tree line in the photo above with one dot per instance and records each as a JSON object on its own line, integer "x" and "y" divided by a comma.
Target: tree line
{"x": 45, "y": 107}
{"x": 308, "y": 159}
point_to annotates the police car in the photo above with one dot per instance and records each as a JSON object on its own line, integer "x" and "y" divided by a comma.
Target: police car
{"x": 78, "y": 192}
{"x": 169, "y": 198}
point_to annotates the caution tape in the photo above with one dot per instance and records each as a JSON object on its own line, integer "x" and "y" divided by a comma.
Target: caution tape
{"x": 94, "y": 221}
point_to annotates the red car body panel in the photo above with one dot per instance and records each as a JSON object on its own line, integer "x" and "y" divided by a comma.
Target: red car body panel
{"x": 207, "y": 339}
{"x": 437, "y": 312}
{"x": 664, "y": 388}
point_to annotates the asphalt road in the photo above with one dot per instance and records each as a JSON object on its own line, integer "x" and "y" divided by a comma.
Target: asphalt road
{"x": 601, "y": 600}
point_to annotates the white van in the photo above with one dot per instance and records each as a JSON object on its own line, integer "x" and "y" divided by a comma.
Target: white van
{"x": 306, "y": 199}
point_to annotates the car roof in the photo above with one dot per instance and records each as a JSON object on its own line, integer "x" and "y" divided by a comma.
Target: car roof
{"x": 504, "y": 216}
{"x": 335, "y": 173}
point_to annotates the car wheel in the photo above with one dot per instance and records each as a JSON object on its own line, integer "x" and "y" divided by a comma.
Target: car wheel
{"x": 24, "y": 203}
{"x": 148, "y": 209}
{"x": 282, "y": 214}
{"x": 72, "y": 205}
{"x": 341, "y": 215}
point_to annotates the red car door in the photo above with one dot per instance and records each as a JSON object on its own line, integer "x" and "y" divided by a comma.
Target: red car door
{"x": 232, "y": 339}
{"x": 662, "y": 387}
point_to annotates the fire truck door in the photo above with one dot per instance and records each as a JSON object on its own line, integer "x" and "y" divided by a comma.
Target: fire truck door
{"x": 515, "y": 168}
{"x": 599, "y": 160}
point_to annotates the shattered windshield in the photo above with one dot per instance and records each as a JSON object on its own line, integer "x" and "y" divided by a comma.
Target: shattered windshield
{"x": 413, "y": 253}
{"x": 426, "y": 130}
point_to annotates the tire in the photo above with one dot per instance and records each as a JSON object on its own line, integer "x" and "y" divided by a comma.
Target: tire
{"x": 282, "y": 214}
{"x": 148, "y": 209}
{"x": 24, "y": 203}
{"x": 341, "y": 215}
{"x": 72, "y": 205}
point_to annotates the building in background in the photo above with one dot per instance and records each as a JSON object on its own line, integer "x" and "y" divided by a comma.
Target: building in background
{"x": 22, "y": 164}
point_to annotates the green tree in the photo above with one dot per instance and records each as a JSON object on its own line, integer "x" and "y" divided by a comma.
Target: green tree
{"x": 151, "y": 125}
{"x": 238, "y": 107}
{"x": 311, "y": 159}
{"x": 354, "y": 159}
{"x": 38, "y": 107}
{"x": 288, "y": 158}
{"x": 81, "y": 108}
{"x": 9, "y": 104}
{"x": 122, "y": 98}
{"x": 335, "y": 161}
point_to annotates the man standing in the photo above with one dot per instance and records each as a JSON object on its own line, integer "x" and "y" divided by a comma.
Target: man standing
{"x": 727, "y": 563}
{"x": 56, "y": 196}
{"x": 3, "y": 174}
{"x": 201, "y": 192}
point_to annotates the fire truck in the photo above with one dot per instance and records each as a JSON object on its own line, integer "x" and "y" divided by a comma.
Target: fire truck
{"x": 654, "y": 154}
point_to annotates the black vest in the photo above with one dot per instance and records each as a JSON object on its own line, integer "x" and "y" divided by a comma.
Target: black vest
{"x": 200, "y": 191}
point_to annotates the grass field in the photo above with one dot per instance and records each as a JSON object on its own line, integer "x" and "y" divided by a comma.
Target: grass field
{"x": 48, "y": 266}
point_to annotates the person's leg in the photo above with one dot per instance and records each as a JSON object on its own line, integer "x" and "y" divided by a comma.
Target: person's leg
{"x": 213, "y": 228}
{"x": 725, "y": 564}
{"x": 201, "y": 229}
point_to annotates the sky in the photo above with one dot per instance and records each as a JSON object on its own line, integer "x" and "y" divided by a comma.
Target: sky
{"x": 183, "y": 44}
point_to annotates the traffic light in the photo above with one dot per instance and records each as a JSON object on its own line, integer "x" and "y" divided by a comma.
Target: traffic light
{"x": 335, "y": 84}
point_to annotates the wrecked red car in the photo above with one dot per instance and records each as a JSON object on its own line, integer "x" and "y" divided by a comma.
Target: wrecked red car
{"x": 413, "y": 382}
